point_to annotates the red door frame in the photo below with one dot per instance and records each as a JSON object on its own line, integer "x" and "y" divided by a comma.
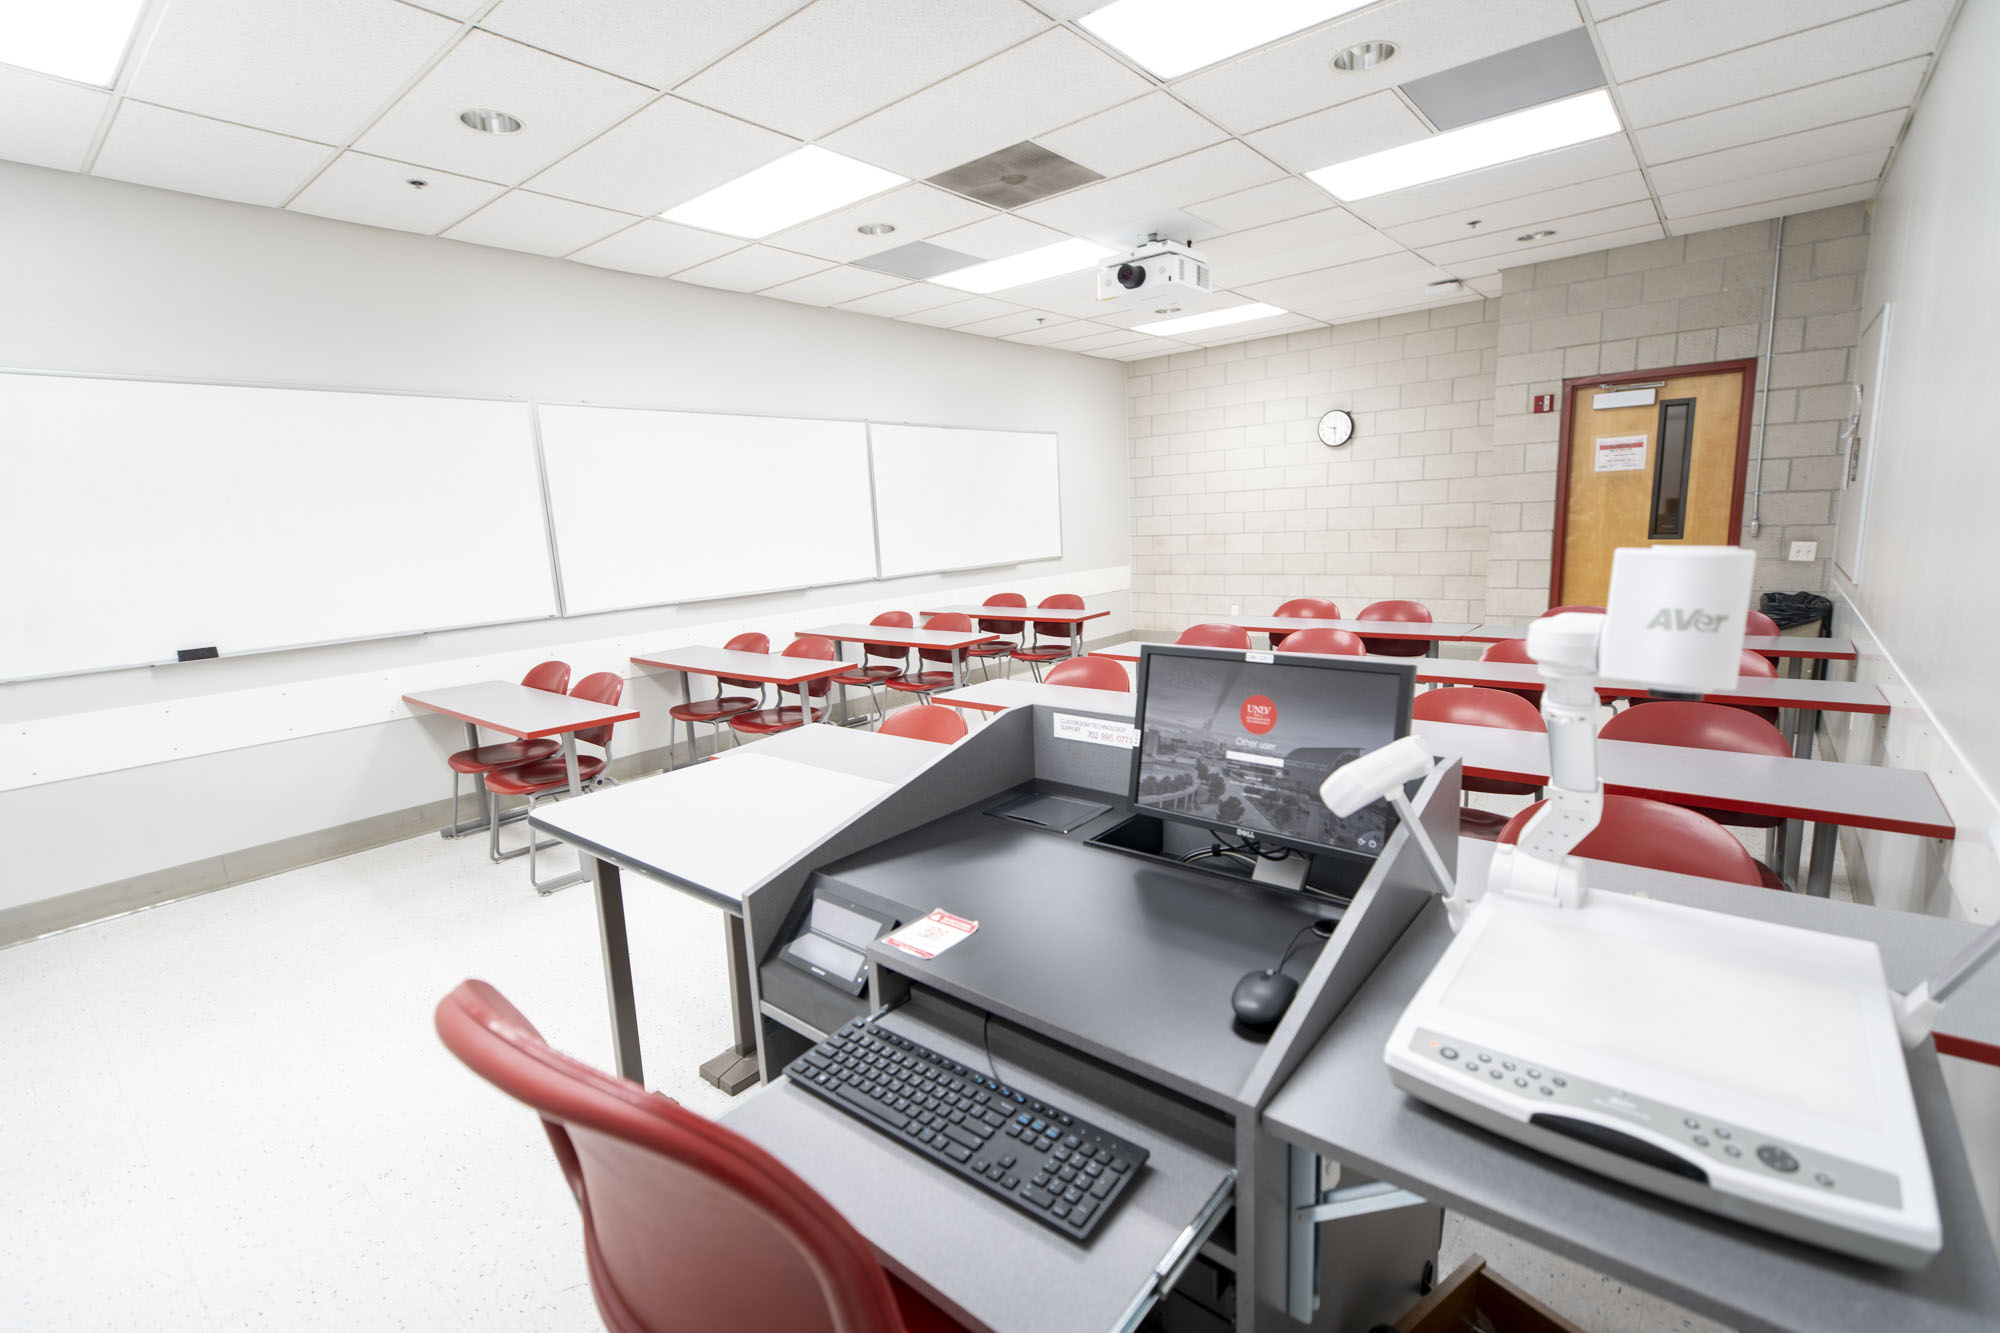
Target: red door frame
{"x": 1565, "y": 410}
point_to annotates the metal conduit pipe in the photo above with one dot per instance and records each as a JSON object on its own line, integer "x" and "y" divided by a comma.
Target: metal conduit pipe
{"x": 1764, "y": 390}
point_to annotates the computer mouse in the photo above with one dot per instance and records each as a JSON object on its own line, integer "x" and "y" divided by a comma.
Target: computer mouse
{"x": 1261, "y": 998}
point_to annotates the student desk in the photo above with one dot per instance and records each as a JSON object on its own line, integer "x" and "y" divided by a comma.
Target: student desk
{"x": 1431, "y": 632}
{"x": 1769, "y": 645}
{"x": 951, "y": 640}
{"x": 764, "y": 668}
{"x": 994, "y": 696}
{"x": 1047, "y": 615}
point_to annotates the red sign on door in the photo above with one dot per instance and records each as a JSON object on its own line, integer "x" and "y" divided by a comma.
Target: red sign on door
{"x": 1545, "y": 402}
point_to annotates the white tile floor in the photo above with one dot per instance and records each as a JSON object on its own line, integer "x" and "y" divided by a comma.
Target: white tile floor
{"x": 232, "y": 1113}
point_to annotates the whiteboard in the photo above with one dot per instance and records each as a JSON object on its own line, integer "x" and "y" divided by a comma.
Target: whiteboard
{"x": 1862, "y": 433}
{"x": 138, "y": 519}
{"x": 651, "y": 507}
{"x": 959, "y": 499}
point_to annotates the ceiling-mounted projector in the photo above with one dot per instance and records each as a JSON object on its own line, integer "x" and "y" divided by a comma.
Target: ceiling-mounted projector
{"x": 1158, "y": 270}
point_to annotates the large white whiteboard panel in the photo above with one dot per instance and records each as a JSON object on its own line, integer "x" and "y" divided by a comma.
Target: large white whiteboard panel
{"x": 655, "y": 507}
{"x": 960, "y": 499}
{"x": 138, "y": 519}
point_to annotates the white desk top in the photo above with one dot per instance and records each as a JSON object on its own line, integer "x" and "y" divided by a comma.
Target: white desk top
{"x": 1771, "y": 645}
{"x": 902, "y": 638}
{"x": 1047, "y": 614}
{"x": 1381, "y": 629}
{"x": 993, "y": 696}
{"x": 519, "y": 710}
{"x": 1838, "y": 696}
{"x": 852, "y": 750}
{"x": 771, "y": 668}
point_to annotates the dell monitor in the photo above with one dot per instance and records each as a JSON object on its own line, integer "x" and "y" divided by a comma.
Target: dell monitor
{"x": 1243, "y": 741}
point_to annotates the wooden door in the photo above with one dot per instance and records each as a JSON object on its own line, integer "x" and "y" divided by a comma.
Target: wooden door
{"x": 1651, "y": 458}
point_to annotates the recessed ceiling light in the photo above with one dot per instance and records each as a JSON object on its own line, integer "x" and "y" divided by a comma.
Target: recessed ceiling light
{"x": 802, "y": 184}
{"x": 1213, "y": 319}
{"x": 1050, "y": 261}
{"x": 1539, "y": 129}
{"x": 1535, "y": 235}
{"x": 1365, "y": 56}
{"x": 488, "y": 121}
{"x": 1171, "y": 37}
{"x": 82, "y": 40}
{"x": 876, "y": 228}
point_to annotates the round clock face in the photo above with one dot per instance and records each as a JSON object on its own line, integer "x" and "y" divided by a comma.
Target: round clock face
{"x": 1336, "y": 428}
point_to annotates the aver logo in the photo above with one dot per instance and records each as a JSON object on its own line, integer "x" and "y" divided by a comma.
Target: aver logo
{"x": 1692, "y": 618}
{"x": 1259, "y": 715}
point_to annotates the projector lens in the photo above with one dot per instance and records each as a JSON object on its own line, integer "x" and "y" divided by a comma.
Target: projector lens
{"x": 1131, "y": 276}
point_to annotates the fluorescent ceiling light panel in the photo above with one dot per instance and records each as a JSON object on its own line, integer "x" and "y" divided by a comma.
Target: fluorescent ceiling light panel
{"x": 1213, "y": 319}
{"x": 797, "y": 187}
{"x": 1539, "y": 129}
{"x": 1171, "y": 37}
{"x": 84, "y": 40}
{"x": 1051, "y": 261}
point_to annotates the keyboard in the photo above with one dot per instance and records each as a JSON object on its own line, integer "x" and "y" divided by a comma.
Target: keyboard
{"x": 1058, "y": 1169}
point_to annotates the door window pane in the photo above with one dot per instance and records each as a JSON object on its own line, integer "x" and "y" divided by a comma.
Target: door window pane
{"x": 1670, "y": 470}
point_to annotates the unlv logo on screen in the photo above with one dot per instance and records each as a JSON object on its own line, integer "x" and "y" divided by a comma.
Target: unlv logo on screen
{"x": 1259, "y": 715}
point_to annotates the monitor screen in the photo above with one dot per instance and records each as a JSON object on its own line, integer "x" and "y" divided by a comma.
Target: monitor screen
{"x": 1243, "y": 741}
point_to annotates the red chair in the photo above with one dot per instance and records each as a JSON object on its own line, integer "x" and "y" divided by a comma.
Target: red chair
{"x": 1638, "y": 832}
{"x": 1516, "y": 651}
{"x": 1215, "y": 636}
{"x": 1304, "y": 608}
{"x": 550, "y": 776}
{"x": 1703, "y": 726}
{"x": 926, "y": 682}
{"x": 686, "y": 1225}
{"x": 716, "y": 712}
{"x": 483, "y": 759}
{"x": 1756, "y": 622}
{"x": 925, "y": 722}
{"x": 1090, "y": 673}
{"x": 868, "y": 677}
{"x": 1413, "y": 613}
{"x": 769, "y": 721}
{"x": 1472, "y": 706}
{"x": 1051, "y": 640}
{"x": 984, "y": 653}
{"x": 1583, "y": 607}
{"x": 1325, "y": 643}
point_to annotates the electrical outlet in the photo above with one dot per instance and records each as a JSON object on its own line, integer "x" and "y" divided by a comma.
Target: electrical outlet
{"x": 1804, "y": 551}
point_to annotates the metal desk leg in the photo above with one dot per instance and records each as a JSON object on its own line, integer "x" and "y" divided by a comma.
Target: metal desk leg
{"x": 617, "y": 968}
{"x": 582, "y": 872}
{"x": 460, "y": 827}
{"x": 687, "y": 697}
{"x": 1819, "y": 877}
{"x": 736, "y": 1068}
{"x": 1803, "y": 728}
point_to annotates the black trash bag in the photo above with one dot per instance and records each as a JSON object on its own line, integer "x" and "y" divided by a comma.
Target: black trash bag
{"x": 1792, "y": 609}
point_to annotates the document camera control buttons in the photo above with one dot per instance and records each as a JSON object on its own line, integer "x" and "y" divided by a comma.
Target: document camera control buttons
{"x": 1449, "y": 1053}
{"x": 1777, "y": 1158}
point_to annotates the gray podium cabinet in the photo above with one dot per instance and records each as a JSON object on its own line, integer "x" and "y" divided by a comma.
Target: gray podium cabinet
{"x": 1098, "y": 980}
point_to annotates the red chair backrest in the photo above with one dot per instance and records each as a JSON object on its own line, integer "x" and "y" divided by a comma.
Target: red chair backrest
{"x": 1304, "y": 608}
{"x": 1756, "y": 664}
{"x": 1003, "y": 626}
{"x": 1058, "y": 629}
{"x": 816, "y": 646}
{"x": 600, "y": 687}
{"x": 1215, "y": 636}
{"x": 1090, "y": 673}
{"x": 1323, "y": 642}
{"x": 1474, "y": 707}
{"x": 1697, "y": 726}
{"x": 925, "y": 722}
{"x": 1638, "y": 832}
{"x": 1756, "y": 622}
{"x": 751, "y": 642}
{"x": 550, "y": 676}
{"x": 949, "y": 623}
{"x": 1584, "y": 607}
{"x": 1507, "y": 650}
{"x": 894, "y": 620}
{"x": 687, "y": 1225}
{"x": 1407, "y": 612}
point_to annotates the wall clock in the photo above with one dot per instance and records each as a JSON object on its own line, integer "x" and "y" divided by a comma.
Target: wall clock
{"x": 1336, "y": 428}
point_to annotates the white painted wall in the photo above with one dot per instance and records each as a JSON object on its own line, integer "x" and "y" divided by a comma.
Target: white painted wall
{"x": 109, "y": 277}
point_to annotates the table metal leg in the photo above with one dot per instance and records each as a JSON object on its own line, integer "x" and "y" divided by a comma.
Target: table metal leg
{"x": 481, "y": 799}
{"x": 736, "y": 1068}
{"x": 687, "y": 697}
{"x": 1805, "y": 724}
{"x": 1819, "y": 877}
{"x": 617, "y": 968}
{"x": 582, "y": 871}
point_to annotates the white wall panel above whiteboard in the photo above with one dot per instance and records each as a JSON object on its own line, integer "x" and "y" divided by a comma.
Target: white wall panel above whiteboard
{"x": 962, "y": 499}
{"x": 652, "y": 507}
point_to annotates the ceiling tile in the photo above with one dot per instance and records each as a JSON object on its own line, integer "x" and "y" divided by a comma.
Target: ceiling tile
{"x": 1856, "y": 170}
{"x": 1023, "y": 93}
{"x": 1340, "y": 133}
{"x": 1288, "y": 197}
{"x": 537, "y": 224}
{"x": 876, "y": 50}
{"x": 318, "y": 72}
{"x": 49, "y": 122}
{"x": 1300, "y": 245}
{"x": 457, "y": 9}
{"x": 633, "y": 38}
{"x": 999, "y": 236}
{"x": 1292, "y": 78}
{"x": 1071, "y": 294}
{"x": 916, "y": 211}
{"x": 1510, "y": 180}
{"x": 1128, "y": 206}
{"x": 152, "y": 145}
{"x": 1002, "y": 325}
{"x": 373, "y": 190}
{"x": 1401, "y": 276}
{"x": 664, "y": 155}
{"x": 656, "y": 248}
{"x": 834, "y": 285}
{"x": 1755, "y": 159}
{"x": 560, "y": 105}
{"x": 961, "y": 312}
{"x": 1856, "y": 95}
{"x": 1146, "y": 130}
{"x": 1054, "y": 330}
{"x": 1604, "y": 9}
{"x": 1679, "y": 32}
{"x": 1798, "y": 203}
{"x": 1504, "y": 242}
{"x": 1525, "y": 213}
{"x": 899, "y": 301}
{"x": 1885, "y": 36}
{"x": 751, "y": 269}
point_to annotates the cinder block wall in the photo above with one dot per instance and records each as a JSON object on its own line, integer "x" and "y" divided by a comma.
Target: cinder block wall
{"x": 1447, "y": 494}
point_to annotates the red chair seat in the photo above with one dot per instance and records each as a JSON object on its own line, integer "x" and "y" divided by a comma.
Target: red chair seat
{"x": 712, "y": 710}
{"x": 867, "y": 675}
{"x": 990, "y": 649}
{"x": 922, "y": 682}
{"x": 542, "y": 775}
{"x": 1039, "y": 654}
{"x": 767, "y": 721}
{"x": 1476, "y": 823}
{"x": 490, "y": 758}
